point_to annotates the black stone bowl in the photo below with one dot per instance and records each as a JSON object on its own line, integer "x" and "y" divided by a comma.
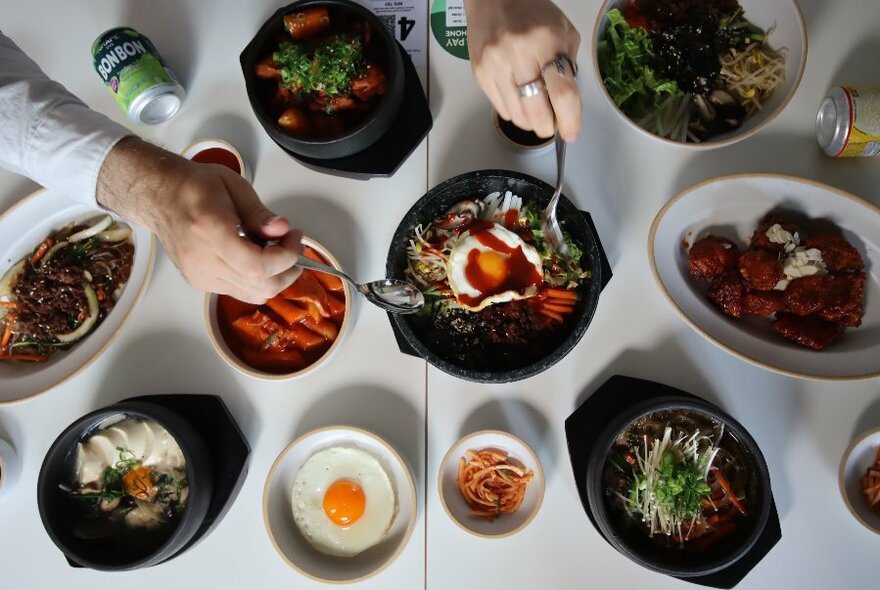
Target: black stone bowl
{"x": 115, "y": 553}
{"x": 533, "y": 192}
{"x": 631, "y": 537}
{"x": 353, "y": 140}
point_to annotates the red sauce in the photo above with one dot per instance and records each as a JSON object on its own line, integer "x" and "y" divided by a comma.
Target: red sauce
{"x": 516, "y": 274}
{"x": 216, "y": 155}
{"x": 511, "y": 219}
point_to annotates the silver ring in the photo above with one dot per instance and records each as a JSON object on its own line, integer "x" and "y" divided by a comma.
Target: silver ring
{"x": 562, "y": 63}
{"x": 532, "y": 88}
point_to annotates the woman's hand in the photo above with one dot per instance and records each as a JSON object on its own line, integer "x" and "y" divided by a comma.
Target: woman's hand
{"x": 194, "y": 210}
{"x": 509, "y": 42}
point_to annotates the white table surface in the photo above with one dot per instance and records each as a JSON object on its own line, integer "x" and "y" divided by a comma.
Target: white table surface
{"x": 619, "y": 176}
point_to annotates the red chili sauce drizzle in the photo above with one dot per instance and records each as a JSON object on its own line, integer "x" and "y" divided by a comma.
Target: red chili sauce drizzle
{"x": 216, "y": 155}
{"x": 519, "y": 272}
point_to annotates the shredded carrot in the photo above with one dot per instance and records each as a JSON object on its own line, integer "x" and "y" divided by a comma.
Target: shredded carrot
{"x": 7, "y": 332}
{"x": 99, "y": 292}
{"x": 565, "y": 294}
{"x": 552, "y": 315}
{"x": 562, "y": 309}
{"x": 9, "y": 304}
{"x": 41, "y": 250}
{"x": 725, "y": 485}
{"x": 34, "y": 358}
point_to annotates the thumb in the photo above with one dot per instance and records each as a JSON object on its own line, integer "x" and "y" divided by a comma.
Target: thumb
{"x": 254, "y": 215}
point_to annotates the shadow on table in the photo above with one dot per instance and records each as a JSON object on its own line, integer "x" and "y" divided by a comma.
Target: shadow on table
{"x": 868, "y": 420}
{"x": 860, "y": 64}
{"x": 520, "y": 419}
{"x": 19, "y": 188}
{"x": 378, "y": 410}
{"x": 797, "y": 154}
{"x": 814, "y": 11}
{"x": 769, "y": 408}
{"x": 173, "y": 36}
{"x": 327, "y": 223}
{"x": 173, "y": 362}
{"x": 238, "y": 131}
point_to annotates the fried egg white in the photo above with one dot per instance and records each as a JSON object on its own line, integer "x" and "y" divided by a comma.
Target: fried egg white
{"x": 343, "y": 501}
{"x": 499, "y": 281}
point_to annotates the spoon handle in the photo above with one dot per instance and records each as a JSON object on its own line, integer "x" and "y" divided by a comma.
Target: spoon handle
{"x": 310, "y": 264}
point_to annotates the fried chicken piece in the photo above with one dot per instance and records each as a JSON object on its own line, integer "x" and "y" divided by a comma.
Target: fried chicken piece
{"x": 727, "y": 292}
{"x": 759, "y": 238}
{"x": 845, "y": 299}
{"x": 807, "y": 295}
{"x": 711, "y": 256}
{"x": 763, "y": 303}
{"x": 810, "y": 331}
{"x": 761, "y": 269}
{"x": 837, "y": 253}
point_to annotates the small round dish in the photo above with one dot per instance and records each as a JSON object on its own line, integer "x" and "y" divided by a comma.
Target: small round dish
{"x": 216, "y": 151}
{"x": 218, "y": 340}
{"x": 22, "y": 227}
{"x": 519, "y": 140}
{"x": 789, "y": 31}
{"x": 861, "y": 454}
{"x": 284, "y": 534}
{"x": 10, "y": 468}
{"x": 454, "y": 503}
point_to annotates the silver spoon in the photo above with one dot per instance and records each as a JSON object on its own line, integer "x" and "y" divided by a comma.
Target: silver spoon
{"x": 549, "y": 222}
{"x": 391, "y": 295}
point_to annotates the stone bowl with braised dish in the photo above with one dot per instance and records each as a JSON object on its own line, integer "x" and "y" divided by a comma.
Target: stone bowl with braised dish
{"x": 678, "y": 486}
{"x": 500, "y": 304}
{"x": 325, "y": 78}
{"x": 125, "y": 487}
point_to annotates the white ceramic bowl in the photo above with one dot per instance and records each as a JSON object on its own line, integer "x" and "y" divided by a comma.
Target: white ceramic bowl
{"x": 211, "y": 142}
{"x": 731, "y": 206}
{"x": 22, "y": 227}
{"x": 860, "y": 455}
{"x": 10, "y": 468}
{"x": 238, "y": 364}
{"x": 789, "y": 31}
{"x": 290, "y": 543}
{"x": 454, "y": 503}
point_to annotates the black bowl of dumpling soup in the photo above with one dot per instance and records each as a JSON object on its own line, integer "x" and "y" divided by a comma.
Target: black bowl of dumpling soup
{"x": 678, "y": 486}
{"x": 125, "y": 487}
{"x": 499, "y": 305}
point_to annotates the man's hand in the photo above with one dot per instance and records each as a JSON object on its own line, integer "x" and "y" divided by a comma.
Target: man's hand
{"x": 509, "y": 41}
{"x": 194, "y": 210}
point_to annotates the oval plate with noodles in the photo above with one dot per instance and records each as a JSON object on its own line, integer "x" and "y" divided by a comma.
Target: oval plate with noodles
{"x": 491, "y": 461}
{"x": 22, "y": 228}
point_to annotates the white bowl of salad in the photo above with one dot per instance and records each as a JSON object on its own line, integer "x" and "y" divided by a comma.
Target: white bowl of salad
{"x": 699, "y": 73}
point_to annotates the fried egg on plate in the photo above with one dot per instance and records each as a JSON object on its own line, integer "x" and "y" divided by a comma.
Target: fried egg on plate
{"x": 343, "y": 501}
{"x": 491, "y": 264}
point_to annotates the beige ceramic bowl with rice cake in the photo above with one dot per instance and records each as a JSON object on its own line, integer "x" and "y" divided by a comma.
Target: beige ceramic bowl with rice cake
{"x": 224, "y": 345}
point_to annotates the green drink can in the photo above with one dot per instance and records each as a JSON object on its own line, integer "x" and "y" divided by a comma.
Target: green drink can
{"x": 136, "y": 76}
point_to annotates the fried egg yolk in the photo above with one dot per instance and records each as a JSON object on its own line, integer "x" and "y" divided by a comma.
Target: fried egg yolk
{"x": 344, "y": 502}
{"x": 491, "y": 264}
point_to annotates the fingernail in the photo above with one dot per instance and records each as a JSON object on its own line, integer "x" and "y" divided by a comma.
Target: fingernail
{"x": 271, "y": 219}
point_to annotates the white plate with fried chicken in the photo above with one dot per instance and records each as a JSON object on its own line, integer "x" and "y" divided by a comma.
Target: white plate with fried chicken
{"x": 777, "y": 270}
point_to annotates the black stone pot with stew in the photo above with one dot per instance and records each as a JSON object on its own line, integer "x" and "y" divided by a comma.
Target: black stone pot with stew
{"x": 504, "y": 359}
{"x": 79, "y": 528}
{"x": 726, "y": 535}
{"x": 326, "y": 132}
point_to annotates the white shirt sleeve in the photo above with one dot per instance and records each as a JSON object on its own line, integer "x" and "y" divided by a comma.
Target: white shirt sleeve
{"x": 48, "y": 134}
